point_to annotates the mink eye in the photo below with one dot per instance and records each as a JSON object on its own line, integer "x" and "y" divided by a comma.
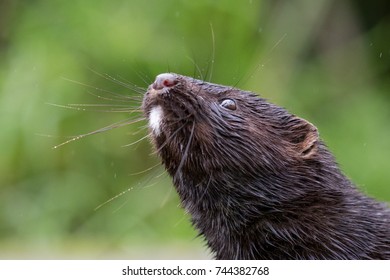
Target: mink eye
{"x": 229, "y": 104}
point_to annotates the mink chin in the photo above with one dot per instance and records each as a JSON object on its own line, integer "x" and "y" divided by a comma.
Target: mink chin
{"x": 256, "y": 180}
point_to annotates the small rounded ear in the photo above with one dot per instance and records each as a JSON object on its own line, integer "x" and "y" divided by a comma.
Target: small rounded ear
{"x": 304, "y": 137}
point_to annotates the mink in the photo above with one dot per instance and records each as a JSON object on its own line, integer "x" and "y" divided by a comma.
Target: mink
{"x": 256, "y": 180}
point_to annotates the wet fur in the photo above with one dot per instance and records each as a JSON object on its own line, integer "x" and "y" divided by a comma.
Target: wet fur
{"x": 258, "y": 182}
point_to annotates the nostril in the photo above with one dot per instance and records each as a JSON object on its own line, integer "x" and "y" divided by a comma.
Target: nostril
{"x": 165, "y": 80}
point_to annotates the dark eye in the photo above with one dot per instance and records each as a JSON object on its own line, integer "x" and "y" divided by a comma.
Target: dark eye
{"x": 229, "y": 104}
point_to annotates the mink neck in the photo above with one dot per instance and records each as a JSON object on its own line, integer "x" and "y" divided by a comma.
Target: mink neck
{"x": 232, "y": 202}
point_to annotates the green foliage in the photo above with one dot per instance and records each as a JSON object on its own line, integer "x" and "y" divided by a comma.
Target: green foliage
{"x": 316, "y": 58}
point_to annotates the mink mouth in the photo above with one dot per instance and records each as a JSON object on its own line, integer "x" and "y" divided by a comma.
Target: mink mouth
{"x": 170, "y": 108}
{"x": 175, "y": 110}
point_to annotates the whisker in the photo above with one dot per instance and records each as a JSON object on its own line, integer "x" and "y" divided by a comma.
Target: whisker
{"x": 120, "y": 207}
{"x": 146, "y": 170}
{"x": 161, "y": 174}
{"x": 103, "y": 129}
{"x": 96, "y": 105}
{"x": 181, "y": 220}
{"x": 112, "y": 198}
{"x": 127, "y": 84}
{"x": 138, "y": 186}
{"x": 118, "y": 82}
{"x": 166, "y": 198}
{"x": 79, "y": 107}
{"x": 65, "y": 106}
{"x": 120, "y": 96}
{"x": 262, "y": 63}
{"x": 135, "y": 142}
{"x": 211, "y": 65}
{"x": 112, "y": 107}
{"x": 150, "y": 185}
{"x": 147, "y": 83}
{"x": 196, "y": 68}
{"x": 47, "y": 135}
{"x": 139, "y": 130}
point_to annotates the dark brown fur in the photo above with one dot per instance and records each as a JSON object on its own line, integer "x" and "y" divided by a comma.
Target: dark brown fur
{"x": 257, "y": 181}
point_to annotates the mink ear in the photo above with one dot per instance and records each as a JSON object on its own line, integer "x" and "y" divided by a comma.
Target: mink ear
{"x": 304, "y": 136}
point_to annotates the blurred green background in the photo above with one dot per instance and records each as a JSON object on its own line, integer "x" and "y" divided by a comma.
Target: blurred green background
{"x": 327, "y": 61}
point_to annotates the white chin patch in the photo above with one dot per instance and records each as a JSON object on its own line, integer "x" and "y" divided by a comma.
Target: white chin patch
{"x": 155, "y": 118}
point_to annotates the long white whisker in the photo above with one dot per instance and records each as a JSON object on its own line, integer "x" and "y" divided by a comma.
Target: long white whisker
{"x": 118, "y": 82}
{"x": 119, "y": 96}
{"x": 112, "y": 198}
{"x": 213, "y": 52}
{"x": 103, "y": 129}
{"x": 146, "y": 170}
{"x": 88, "y": 107}
{"x": 135, "y": 142}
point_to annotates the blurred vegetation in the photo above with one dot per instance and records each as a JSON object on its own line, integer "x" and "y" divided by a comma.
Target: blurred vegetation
{"x": 327, "y": 61}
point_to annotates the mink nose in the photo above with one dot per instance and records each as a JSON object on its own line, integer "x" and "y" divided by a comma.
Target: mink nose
{"x": 165, "y": 80}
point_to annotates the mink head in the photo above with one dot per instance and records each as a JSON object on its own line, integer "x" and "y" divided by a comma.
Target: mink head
{"x": 199, "y": 128}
